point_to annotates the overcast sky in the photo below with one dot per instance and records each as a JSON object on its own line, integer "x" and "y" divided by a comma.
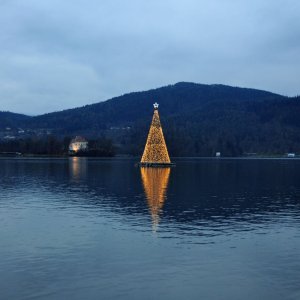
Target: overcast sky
{"x": 57, "y": 54}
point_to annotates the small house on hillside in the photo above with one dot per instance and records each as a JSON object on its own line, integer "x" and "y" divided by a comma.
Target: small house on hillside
{"x": 78, "y": 144}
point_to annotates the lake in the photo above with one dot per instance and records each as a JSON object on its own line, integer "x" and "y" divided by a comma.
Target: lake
{"x": 105, "y": 229}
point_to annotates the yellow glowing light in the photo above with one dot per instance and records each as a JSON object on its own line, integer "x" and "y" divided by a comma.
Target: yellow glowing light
{"x": 156, "y": 149}
{"x": 155, "y": 182}
{"x": 75, "y": 147}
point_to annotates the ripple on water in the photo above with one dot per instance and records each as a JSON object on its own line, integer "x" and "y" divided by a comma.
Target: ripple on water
{"x": 102, "y": 229}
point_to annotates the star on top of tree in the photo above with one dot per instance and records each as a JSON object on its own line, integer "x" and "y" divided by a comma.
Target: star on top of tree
{"x": 155, "y": 105}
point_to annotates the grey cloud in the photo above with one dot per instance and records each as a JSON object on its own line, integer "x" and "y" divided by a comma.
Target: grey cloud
{"x": 61, "y": 54}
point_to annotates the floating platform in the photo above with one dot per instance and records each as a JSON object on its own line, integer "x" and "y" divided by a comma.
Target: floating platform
{"x": 155, "y": 165}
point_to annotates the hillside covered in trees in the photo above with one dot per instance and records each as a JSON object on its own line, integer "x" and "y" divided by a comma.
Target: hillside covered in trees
{"x": 197, "y": 119}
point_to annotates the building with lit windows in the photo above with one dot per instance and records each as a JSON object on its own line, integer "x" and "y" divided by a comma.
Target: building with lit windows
{"x": 79, "y": 143}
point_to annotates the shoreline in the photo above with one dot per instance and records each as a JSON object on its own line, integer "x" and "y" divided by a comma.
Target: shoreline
{"x": 137, "y": 158}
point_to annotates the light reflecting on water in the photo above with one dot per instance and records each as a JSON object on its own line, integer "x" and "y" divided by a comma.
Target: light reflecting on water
{"x": 104, "y": 229}
{"x": 155, "y": 181}
{"x": 78, "y": 168}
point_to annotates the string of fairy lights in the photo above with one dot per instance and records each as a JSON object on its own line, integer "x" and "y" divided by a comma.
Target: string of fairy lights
{"x": 156, "y": 149}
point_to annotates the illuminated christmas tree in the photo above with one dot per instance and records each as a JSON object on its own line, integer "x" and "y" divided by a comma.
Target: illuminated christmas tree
{"x": 155, "y": 152}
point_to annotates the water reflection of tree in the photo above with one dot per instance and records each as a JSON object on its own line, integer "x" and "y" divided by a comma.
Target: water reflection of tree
{"x": 155, "y": 182}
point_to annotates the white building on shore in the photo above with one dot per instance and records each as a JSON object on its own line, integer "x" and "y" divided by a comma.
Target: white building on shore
{"x": 79, "y": 143}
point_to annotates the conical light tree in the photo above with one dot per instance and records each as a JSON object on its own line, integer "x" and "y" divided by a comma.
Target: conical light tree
{"x": 155, "y": 152}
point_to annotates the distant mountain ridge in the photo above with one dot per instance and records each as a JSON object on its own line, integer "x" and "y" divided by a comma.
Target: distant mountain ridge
{"x": 9, "y": 119}
{"x": 173, "y": 99}
{"x": 198, "y": 119}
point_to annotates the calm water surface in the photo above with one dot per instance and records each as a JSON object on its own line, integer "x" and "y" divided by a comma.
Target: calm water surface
{"x": 104, "y": 229}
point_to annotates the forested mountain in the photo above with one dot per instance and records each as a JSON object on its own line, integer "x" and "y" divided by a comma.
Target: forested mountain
{"x": 9, "y": 119}
{"x": 197, "y": 119}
